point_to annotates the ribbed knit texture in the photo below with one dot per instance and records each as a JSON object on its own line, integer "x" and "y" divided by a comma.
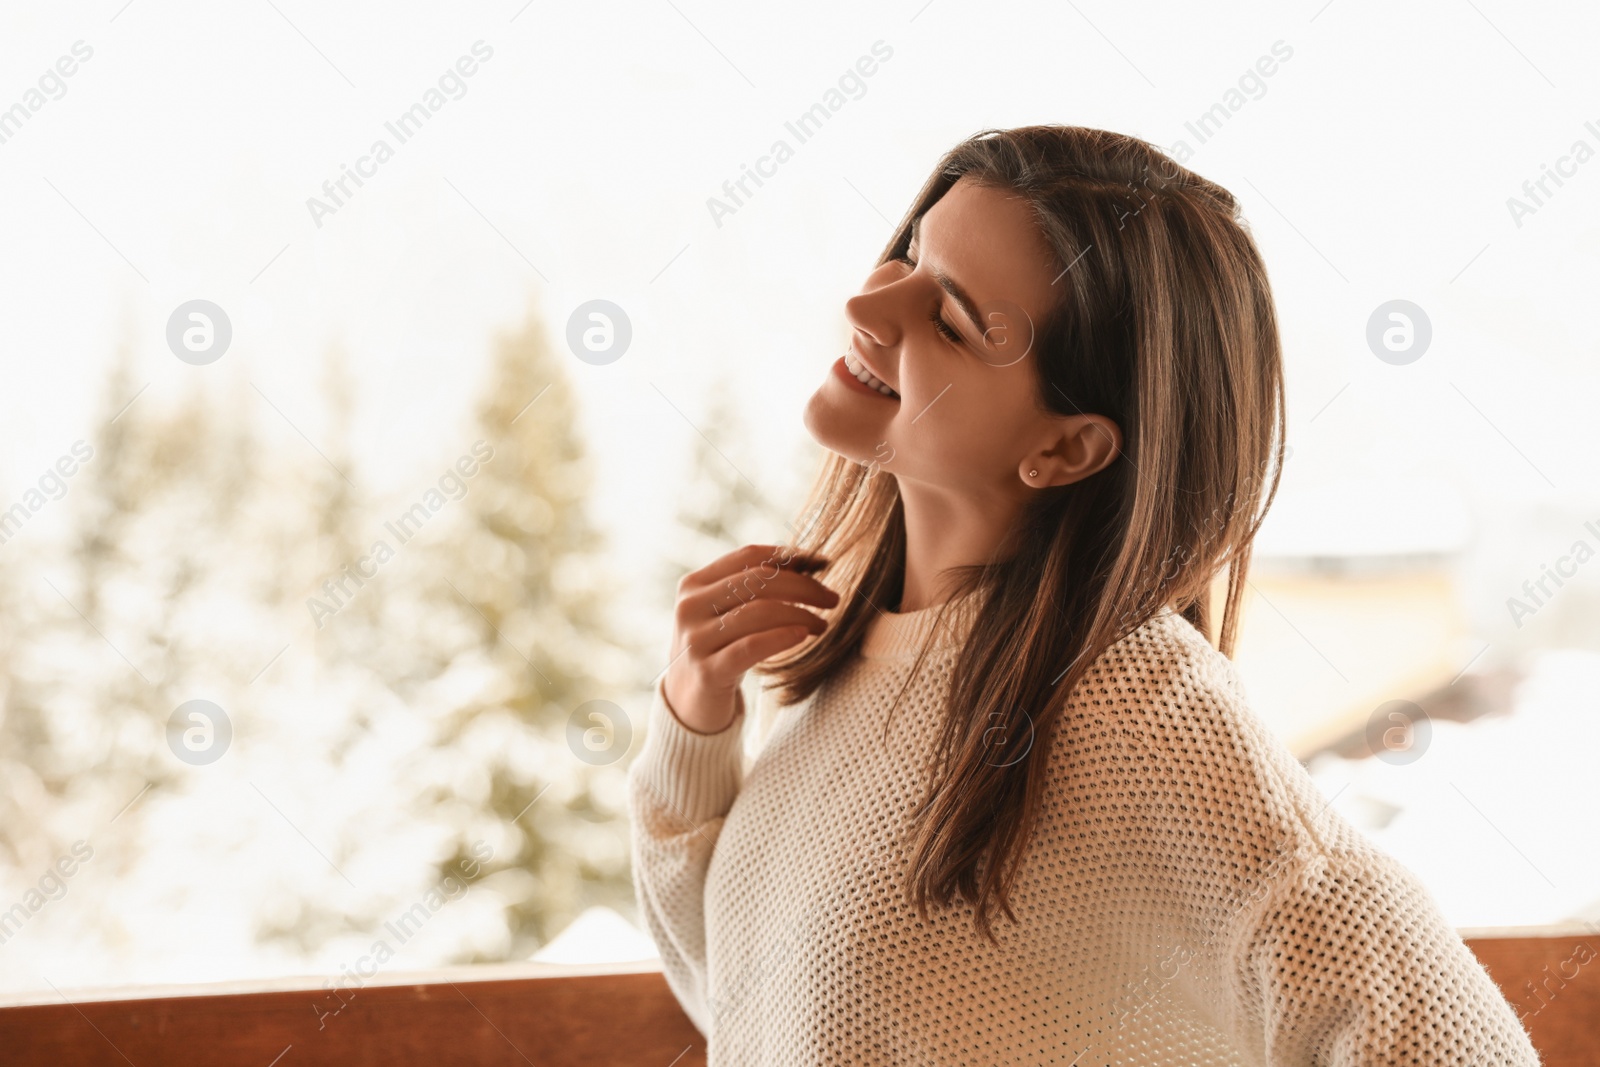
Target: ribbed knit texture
{"x": 1188, "y": 896}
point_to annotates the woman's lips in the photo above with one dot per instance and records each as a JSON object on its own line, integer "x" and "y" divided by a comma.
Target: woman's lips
{"x": 842, "y": 372}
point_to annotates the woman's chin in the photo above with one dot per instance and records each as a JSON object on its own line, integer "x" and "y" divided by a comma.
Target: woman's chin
{"x": 836, "y": 429}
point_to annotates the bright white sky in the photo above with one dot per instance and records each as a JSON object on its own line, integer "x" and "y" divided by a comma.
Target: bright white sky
{"x": 1376, "y": 165}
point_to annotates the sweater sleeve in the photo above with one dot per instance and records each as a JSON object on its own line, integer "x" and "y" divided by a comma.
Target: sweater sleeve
{"x": 1348, "y": 961}
{"x": 679, "y": 789}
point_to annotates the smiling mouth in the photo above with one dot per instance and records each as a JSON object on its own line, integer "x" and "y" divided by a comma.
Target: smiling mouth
{"x": 864, "y": 376}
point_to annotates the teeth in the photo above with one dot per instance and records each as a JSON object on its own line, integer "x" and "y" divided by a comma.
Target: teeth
{"x": 864, "y": 376}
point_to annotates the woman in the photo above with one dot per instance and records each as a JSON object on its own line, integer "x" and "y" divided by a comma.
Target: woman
{"x": 1016, "y": 809}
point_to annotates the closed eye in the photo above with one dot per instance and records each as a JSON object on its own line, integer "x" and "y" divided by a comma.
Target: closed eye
{"x": 942, "y": 328}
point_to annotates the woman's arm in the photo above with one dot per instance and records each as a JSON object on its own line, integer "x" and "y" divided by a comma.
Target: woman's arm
{"x": 1348, "y": 961}
{"x": 731, "y": 614}
{"x": 679, "y": 789}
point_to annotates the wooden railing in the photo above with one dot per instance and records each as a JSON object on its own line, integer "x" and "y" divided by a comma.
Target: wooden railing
{"x": 551, "y": 1016}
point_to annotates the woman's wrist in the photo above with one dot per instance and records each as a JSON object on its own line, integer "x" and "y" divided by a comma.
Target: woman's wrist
{"x": 735, "y": 710}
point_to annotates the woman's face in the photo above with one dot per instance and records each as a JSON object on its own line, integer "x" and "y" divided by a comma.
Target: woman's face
{"x": 949, "y": 330}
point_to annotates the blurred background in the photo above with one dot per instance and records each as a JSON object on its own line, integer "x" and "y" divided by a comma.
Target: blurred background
{"x": 372, "y": 372}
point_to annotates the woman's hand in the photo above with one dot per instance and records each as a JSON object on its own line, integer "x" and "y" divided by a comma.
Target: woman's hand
{"x": 731, "y": 614}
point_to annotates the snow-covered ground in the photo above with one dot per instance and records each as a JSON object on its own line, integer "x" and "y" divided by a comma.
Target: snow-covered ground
{"x": 1497, "y": 815}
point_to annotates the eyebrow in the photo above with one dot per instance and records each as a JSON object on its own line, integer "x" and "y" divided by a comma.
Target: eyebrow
{"x": 950, "y": 285}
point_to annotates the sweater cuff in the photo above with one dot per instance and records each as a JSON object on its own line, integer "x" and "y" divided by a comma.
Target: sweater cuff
{"x": 697, "y": 775}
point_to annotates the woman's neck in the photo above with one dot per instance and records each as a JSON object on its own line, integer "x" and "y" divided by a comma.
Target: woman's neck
{"x": 944, "y": 531}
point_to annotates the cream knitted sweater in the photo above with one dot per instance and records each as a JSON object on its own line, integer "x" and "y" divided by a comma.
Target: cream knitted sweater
{"x": 1188, "y": 896}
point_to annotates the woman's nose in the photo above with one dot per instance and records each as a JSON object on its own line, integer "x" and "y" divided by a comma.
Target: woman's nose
{"x": 874, "y": 312}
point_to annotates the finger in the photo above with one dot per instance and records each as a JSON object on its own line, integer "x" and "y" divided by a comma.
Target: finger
{"x": 720, "y": 631}
{"x": 734, "y": 562}
{"x": 743, "y": 654}
{"x": 768, "y": 559}
{"x": 748, "y": 586}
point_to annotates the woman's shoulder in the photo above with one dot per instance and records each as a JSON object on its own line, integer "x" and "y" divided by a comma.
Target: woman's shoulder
{"x": 1166, "y": 687}
{"x": 1159, "y": 669}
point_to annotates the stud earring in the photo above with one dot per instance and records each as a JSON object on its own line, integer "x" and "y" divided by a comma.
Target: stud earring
{"x": 1033, "y": 474}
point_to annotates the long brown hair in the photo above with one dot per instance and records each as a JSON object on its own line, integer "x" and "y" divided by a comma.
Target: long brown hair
{"x": 1164, "y": 324}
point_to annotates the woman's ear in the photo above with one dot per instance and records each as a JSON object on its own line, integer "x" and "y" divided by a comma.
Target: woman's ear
{"x": 1079, "y": 445}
